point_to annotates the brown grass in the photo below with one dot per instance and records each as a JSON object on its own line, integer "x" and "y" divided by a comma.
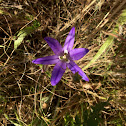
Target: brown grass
{"x": 25, "y": 88}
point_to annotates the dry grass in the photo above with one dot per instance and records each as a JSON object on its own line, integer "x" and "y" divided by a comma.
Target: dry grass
{"x": 25, "y": 88}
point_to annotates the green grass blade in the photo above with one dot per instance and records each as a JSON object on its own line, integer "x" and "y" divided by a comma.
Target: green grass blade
{"x": 104, "y": 47}
{"x": 23, "y": 33}
{"x": 16, "y": 124}
{"x": 109, "y": 41}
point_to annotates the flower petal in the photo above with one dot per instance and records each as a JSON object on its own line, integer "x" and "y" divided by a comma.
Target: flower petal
{"x": 69, "y": 42}
{"x": 78, "y": 53}
{"x": 47, "y": 60}
{"x": 54, "y": 45}
{"x": 75, "y": 68}
{"x": 57, "y": 73}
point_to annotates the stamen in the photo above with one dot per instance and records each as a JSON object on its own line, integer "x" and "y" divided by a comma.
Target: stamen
{"x": 66, "y": 51}
{"x": 60, "y": 57}
{"x": 64, "y": 57}
{"x": 68, "y": 61}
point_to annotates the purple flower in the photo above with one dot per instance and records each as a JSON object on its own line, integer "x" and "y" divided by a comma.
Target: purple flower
{"x": 64, "y": 57}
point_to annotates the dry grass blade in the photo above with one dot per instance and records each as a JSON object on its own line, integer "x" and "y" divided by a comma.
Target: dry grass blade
{"x": 74, "y": 20}
{"x": 26, "y": 94}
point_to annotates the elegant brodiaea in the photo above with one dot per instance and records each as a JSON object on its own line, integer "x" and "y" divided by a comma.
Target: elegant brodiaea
{"x": 64, "y": 57}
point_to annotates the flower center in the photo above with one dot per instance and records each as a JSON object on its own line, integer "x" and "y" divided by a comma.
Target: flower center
{"x": 65, "y": 56}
